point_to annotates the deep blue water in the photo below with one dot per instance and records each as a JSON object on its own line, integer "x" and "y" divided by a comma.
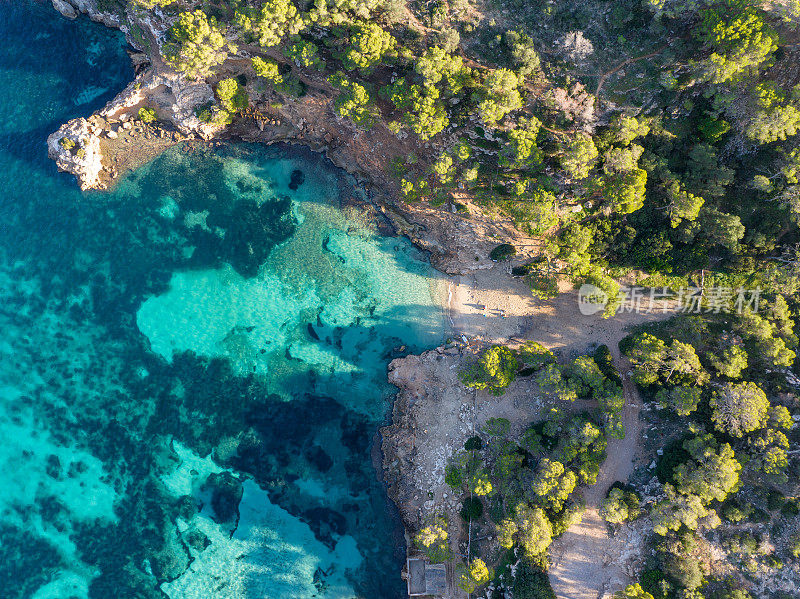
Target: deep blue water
{"x": 192, "y": 366}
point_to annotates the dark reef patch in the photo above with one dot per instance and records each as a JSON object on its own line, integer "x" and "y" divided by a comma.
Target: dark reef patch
{"x": 326, "y": 523}
{"x": 226, "y": 493}
{"x": 297, "y": 178}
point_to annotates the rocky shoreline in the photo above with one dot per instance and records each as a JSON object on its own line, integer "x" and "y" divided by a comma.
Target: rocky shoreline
{"x": 104, "y": 146}
{"x": 114, "y": 141}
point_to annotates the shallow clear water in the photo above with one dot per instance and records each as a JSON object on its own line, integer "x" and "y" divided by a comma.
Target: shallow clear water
{"x": 192, "y": 367}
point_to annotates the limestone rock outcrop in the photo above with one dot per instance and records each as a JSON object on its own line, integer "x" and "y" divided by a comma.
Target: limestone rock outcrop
{"x": 71, "y": 9}
{"x": 173, "y": 96}
{"x": 65, "y": 8}
{"x": 76, "y": 149}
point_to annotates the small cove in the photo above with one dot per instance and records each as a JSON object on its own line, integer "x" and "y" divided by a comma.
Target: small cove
{"x": 194, "y": 364}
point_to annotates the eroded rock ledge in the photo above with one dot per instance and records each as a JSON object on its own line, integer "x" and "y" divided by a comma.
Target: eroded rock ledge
{"x": 100, "y": 148}
{"x": 433, "y": 416}
{"x": 72, "y": 8}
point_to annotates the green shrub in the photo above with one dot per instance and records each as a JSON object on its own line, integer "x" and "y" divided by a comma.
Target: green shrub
{"x": 571, "y": 514}
{"x": 626, "y": 344}
{"x": 602, "y": 355}
{"x": 475, "y": 575}
{"x": 775, "y": 500}
{"x": 733, "y": 513}
{"x": 422, "y": 109}
{"x": 794, "y": 546}
{"x": 713, "y": 129}
{"x": 620, "y": 505}
{"x": 542, "y": 431}
{"x": 674, "y": 454}
{"x": 531, "y": 582}
{"x": 353, "y": 102}
{"x": 791, "y": 507}
{"x": 543, "y": 285}
{"x": 535, "y": 355}
{"x": 473, "y": 443}
{"x": 479, "y": 483}
{"x": 433, "y": 540}
{"x": 453, "y": 476}
{"x": 684, "y": 570}
{"x": 496, "y": 509}
{"x": 773, "y": 562}
{"x": 504, "y": 251}
{"x": 304, "y": 54}
{"x": 195, "y": 44}
{"x": 579, "y": 156}
{"x": 744, "y": 543}
{"x": 368, "y": 42}
{"x": 494, "y": 370}
{"x": 654, "y": 582}
{"x": 232, "y": 96}
{"x": 147, "y": 115}
{"x": 759, "y": 516}
{"x": 523, "y": 269}
{"x": 497, "y": 427}
{"x": 67, "y": 143}
{"x": 498, "y": 96}
{"x": 472, "y": 509}
{"x": 633, "y": 591}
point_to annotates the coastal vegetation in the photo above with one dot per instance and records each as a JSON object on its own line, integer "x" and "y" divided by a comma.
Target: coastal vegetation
{"x": 725, "y": 435}
{"x": 527, "y": 483}
{"x": 526, "y": 487}
{"x": 722, "y": 429}
{"x": 695, "y": 171}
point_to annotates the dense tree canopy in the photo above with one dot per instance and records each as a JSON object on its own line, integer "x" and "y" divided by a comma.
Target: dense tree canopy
{"x": 353, "y": 102}
{"x": 436, "y": 66}
{"x": 738, "y": 37}
{"x": 196, "y": 44}
{"x": 739, "y": 408}
{"x": 655, "y": 360}
{"x": 270, "y": 23}
{"x": 620, "y": 506}
{"x": 501, "y": 95}
{"x": 494, "y": 370}
{"x": 475, "y": 575}
{"x": 367, "y": 45}
{"x": 579, "y": 157}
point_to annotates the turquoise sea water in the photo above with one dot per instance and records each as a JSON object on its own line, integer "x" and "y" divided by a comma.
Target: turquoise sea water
{"x": 192, "y": 367}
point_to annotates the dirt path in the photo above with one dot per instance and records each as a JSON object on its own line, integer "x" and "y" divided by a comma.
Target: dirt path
{"x": 585, "y": 561}
{"x": 625, "y": 63}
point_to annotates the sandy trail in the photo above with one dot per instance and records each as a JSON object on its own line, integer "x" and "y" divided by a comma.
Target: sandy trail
{"x": 585, "y": 560}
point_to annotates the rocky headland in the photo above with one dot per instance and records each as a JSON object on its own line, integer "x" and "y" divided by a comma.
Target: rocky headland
{"x": 98, "y": 149}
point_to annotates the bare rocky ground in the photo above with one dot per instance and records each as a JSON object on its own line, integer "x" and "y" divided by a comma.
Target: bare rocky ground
{"x": 434, "y": 414}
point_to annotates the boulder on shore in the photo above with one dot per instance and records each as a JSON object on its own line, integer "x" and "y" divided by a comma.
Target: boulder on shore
{"x": 65, "y": 8}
